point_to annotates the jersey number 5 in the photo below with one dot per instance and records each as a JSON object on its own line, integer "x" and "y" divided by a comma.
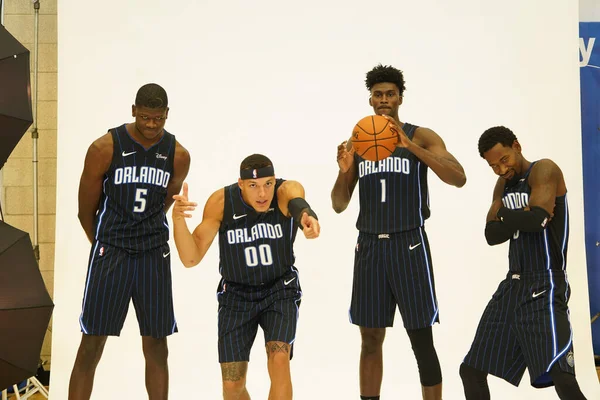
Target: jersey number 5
{"x": 263, "y": 255}
{"x": 140, "y": 200}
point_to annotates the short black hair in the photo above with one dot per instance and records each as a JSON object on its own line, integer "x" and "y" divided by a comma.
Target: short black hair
{"x": 255, "y": 161}
{"x": 385, "y": 73}
{"x": 495, "y": 135}
{"x": 151, "y": 95}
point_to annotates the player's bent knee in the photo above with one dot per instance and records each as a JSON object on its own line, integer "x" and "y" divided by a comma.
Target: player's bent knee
{"x": 155, "y": 349}
{"x": 279, "y": 360}
{"x": 91, "y": 348}
{"x": 233, "y": 388}
{"x": 372, "y": 339}
{"x": 472, "y": 376}
{"x": 279, "y": 351}
{"x": 566, "y": 384}
{"x": 427, "y": 360}
{"x": 234, "y": 376}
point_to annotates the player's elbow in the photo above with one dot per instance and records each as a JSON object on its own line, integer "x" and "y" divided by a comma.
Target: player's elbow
{"x": 190, "y": 262}
{"x": 459, "y": 181}
{"x": 338, "y": 208}
{"x": 337, "y": 204}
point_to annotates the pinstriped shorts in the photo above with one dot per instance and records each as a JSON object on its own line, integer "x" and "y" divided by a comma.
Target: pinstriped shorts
{"x": 525, "y": 325}
{"x": 115, "y": 277}
{"x": 242, "y": 309}
{"x": 393, "y": 270}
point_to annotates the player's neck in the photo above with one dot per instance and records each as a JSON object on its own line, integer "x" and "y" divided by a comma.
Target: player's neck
{"x": 141, "y": 139}
{"x": 524, "y": 166}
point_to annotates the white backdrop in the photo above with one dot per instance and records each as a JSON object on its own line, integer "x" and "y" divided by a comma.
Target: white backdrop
{"x": 286, "y": 80}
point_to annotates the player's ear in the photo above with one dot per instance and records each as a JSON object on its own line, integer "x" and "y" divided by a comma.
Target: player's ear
{"x": 370, "y": 102}
{"x": 516, "y": 146}
{"x": 400, "y": 100}
{"x": 167, "y": 113}
{"x": 240, "y": 184}
{"x": 133, "y": 110}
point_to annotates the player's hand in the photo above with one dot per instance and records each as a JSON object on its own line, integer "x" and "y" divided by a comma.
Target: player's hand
{"x": 345, "y": 157}
{"x": 403, "y": 140}
{"x": 182, "y": 205}
{"x": 311, "y": 226}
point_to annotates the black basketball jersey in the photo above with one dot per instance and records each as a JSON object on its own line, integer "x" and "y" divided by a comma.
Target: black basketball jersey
{"x": 255, "y": 248}
{"x": 131, "y": 211}
{"x": 393, "y": 192}
{"x": 537, "y": 251}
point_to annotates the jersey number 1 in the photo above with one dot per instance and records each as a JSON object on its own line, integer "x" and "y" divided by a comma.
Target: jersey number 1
{"x": 382, "y": 190}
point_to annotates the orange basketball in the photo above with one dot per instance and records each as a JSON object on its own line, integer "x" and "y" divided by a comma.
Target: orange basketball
{"x": 373, "y": 139}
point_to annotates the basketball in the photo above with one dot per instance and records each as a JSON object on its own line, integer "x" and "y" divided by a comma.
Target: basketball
{"x": 373, "y": 139}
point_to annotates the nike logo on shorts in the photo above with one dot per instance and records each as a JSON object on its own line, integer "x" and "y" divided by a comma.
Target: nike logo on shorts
{"x": 288, "y": 282}
{"x": 166, "y": 254}
{"x": 412, "y": 247}
{"x": 534, "y": 294}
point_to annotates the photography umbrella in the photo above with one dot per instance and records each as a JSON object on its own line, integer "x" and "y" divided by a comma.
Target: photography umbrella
{"x": 25, "y": 307}
{"x": 15, "y": 93}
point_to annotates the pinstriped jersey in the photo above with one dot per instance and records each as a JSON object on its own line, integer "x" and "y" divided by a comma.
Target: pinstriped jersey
{"x": 131, "y": 212}
{"x": 393, "y": 192}
{"x": 255, "y": 248}
{"x": 537, "y": 251}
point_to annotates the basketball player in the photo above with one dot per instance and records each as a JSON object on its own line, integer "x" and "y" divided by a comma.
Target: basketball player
{"x": 127, "y": 185}
{"x": 392, "y": 259}
{"x": 526, "y": 323}
{"x": 257, "y": 220}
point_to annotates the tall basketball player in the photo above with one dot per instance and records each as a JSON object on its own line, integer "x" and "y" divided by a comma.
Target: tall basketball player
{"x": 127, "y": 185}
{"x": 526, "y": 323}
{"x": 392, "y": 260}
{"x": 257, "y": 219}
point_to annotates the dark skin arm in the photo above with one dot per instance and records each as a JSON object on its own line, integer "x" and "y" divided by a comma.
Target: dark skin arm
{"x": 97, "y": 162}
{"x": 547, "y": 183}
{"x": 496, "y": 200}
{"x": 429, "y": 147}
{"x": 347, "y": 177}
{"x": 181, "y": 167}
{"x": 497, "y": 232}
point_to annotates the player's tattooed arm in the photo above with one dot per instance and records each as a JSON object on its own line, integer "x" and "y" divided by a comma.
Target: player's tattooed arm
{"x": 234, "y": 371}
{"x": 97, "y": 162}
{"x": 181, "y": 167}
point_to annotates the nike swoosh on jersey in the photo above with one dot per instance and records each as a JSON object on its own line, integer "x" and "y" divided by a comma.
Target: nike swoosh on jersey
{"x": 128, "y": 154}
{"x": 239, "y": 216}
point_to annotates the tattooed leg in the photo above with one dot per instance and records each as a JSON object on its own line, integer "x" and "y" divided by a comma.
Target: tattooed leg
{"x": 278, "y": 363}
{"x": 234, "y": 380}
